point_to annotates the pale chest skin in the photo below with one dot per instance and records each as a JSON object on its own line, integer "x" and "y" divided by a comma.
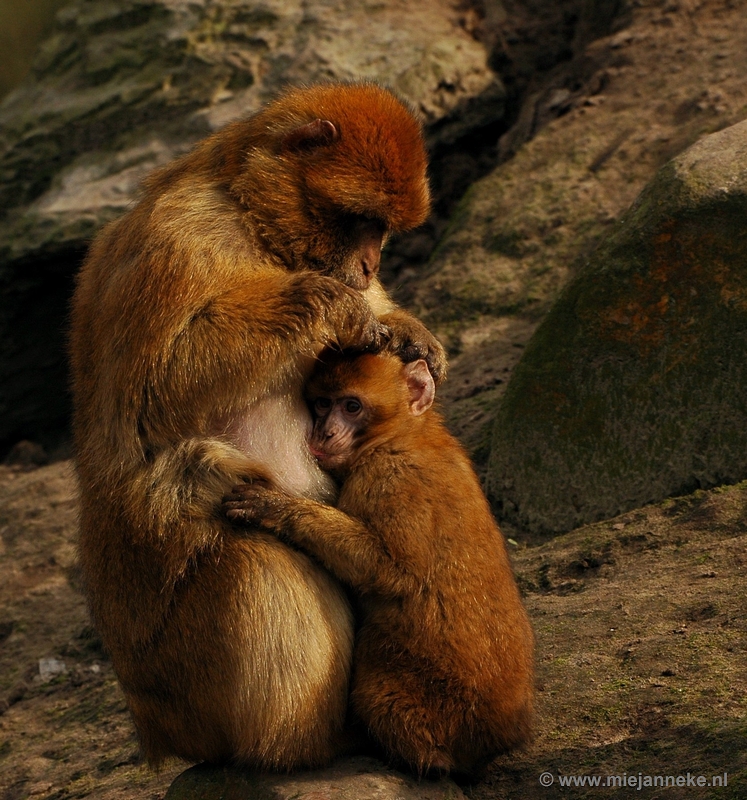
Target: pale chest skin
{"x": 275, "y": 429}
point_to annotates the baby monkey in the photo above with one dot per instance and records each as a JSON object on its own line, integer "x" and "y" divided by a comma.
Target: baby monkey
{"x": 443, "y": 665}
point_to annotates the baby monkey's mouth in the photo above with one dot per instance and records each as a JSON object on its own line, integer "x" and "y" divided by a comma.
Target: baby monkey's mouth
{"x": 322, "y": 454}
{"x": 327, "y": 460}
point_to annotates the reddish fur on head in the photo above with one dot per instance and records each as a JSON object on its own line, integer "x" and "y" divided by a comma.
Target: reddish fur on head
{"x": 325, "y": 153}
{"x": 377, "y": 164}
{"x": 367, "y": 375}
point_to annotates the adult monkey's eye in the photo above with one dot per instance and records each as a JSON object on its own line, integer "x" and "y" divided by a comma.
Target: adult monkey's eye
{"x": 322, "y": 404}
{"x": 352, "y": 406}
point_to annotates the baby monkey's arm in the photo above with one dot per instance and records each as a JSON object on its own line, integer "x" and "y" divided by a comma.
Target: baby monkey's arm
{"x": 345, "y": 546}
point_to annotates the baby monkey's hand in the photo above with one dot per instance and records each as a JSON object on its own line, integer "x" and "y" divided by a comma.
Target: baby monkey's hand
{"x": 256, "y": 504}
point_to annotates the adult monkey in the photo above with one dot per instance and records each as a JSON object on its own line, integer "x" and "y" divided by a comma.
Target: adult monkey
{"x": 195, "y": 320}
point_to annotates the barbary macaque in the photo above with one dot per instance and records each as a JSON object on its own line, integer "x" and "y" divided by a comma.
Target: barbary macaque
{"x": 196, "y": 319}
{"x": 443, "y": 664}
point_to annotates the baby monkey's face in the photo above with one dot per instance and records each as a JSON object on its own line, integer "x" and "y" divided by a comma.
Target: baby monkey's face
{"x": 361, "y": 400}
{"x": 338, "y": 423}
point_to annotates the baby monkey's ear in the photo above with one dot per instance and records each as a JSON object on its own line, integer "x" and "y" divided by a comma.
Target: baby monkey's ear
{"x": 420, "y": 385}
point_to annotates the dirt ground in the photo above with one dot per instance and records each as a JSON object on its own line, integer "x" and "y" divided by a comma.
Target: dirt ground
{"x": 641, "y": 626}
{"x": 68, "y": 735}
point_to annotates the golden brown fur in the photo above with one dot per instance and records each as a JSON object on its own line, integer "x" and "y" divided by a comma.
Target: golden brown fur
{"x": 195, "y": 320}
{"x": 443, "y": 667}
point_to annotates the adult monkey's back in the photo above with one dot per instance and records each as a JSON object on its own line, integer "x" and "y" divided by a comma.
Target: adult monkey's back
{"x": 195, "y": 321}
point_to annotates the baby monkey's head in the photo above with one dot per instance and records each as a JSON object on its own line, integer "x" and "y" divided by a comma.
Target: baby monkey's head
{"x": 363, "y": 400}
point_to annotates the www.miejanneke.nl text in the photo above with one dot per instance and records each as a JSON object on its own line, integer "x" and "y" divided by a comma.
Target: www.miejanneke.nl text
{"x": 638, "y": 781}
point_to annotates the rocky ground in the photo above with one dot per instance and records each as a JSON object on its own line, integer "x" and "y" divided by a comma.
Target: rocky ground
{"x": 641, "y": 626}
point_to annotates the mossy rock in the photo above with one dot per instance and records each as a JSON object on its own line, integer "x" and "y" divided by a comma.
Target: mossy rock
{"x": 634, "y": 388}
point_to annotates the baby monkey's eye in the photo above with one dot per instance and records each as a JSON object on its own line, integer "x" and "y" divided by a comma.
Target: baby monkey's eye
{"x": 322, "y": 404}
{"x": 352, "y": 406}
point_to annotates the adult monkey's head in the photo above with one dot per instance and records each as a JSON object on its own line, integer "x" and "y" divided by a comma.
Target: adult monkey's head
{"x": 326, "y": 173}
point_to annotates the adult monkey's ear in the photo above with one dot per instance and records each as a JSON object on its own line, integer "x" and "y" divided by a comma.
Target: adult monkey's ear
{"x": 420, "y": 385}
{"x": 319, "y": 133}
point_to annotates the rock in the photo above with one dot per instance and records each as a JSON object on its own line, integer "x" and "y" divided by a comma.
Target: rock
{"x": 633, "y": 387}
{"x": 123, "y": 86}
{"x": 50, "y": 668}
{"x": 352, "y": 779}
{"x": 637, "y": 99}
{"x": 27, "y": 455}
